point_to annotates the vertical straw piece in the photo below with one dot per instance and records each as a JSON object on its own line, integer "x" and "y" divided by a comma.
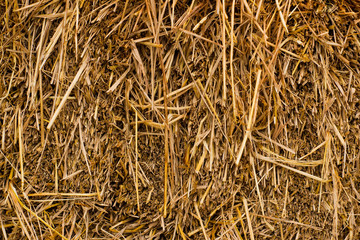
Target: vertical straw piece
{"x": 251, "y": 116}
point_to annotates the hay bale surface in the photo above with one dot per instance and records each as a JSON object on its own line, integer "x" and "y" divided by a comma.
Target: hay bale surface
{"x": 178, "y": 119}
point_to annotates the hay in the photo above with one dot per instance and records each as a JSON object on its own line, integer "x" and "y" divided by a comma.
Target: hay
{"x": 179, "y": 119}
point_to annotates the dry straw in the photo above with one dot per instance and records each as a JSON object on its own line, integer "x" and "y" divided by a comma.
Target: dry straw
{"x": 174, "y": 119}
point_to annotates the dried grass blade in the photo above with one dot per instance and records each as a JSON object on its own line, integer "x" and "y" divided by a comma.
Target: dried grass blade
{"x": 251, "y": 116}
{"x": 21, "y": 150}
{"x": 296, "y": 170}
{"x": 14, "y": 194}
{"x": 67, "y": 94}
{"x": 201, "y": 222}
{"x": 121, "y": 78}
{"x": 137, "y": 163}
{"x": 251, "y": 231}
{"x": 83, "y": 150}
